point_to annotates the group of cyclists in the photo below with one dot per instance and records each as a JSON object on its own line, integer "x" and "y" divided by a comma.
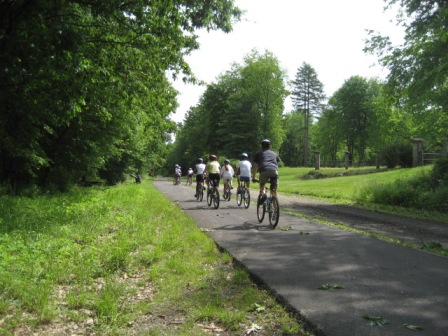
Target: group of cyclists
{"x": 265, "y": 162}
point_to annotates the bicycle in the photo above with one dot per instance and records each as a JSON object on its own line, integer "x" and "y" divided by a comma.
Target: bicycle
{"x": 213, "y": 195}
{"x": 200, "y": 191}
{"x": 244, "y": 195}
{"x": 227, "y": 191}
{"x": 269, "y": 205}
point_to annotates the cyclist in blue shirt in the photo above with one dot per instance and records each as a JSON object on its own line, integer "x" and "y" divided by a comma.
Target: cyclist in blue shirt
{"x": 266, "y": 163}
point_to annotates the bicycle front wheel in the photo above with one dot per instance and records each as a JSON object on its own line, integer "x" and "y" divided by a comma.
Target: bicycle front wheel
{"x": 216, "y": 199}
{"x": 274, "y": 212}
{"x": 261, "y": 210}
{"x": 209, "y": 197}
{"x": 246, "y": 198}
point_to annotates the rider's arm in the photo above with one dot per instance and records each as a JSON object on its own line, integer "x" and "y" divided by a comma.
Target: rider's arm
{"x": 254, "y": 170}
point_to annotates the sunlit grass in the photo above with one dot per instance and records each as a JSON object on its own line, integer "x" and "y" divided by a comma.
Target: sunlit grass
{"x": 337, "y": 186}
{"x": 116, "y": 260}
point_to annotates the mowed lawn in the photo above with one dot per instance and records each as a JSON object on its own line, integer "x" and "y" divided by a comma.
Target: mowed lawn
{"x": 337, "y": 186}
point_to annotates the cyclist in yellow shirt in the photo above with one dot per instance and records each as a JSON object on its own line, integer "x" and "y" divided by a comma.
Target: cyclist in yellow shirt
{"x": 213, "y": 169}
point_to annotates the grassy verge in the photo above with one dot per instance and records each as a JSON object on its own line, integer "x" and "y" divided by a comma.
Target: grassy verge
{"x": 122, "y": 261}
{"x": 349, "y": 186}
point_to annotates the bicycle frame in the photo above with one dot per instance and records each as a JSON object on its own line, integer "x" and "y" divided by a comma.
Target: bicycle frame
{"x": 244, "y": 194}
{"x": 270, "y": 205}
{"x": 213, "y": 195}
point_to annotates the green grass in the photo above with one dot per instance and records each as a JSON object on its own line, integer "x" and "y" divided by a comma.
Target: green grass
{"x": 122, "y": 261}
{"x": 369, "y": 188}
{"x": 338, "y": 186}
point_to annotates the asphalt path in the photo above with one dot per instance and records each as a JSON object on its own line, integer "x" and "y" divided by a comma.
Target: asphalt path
{"x": 406, "y": 287}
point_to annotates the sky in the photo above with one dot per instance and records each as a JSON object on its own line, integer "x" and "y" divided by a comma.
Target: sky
{"x": 327, "y": 34}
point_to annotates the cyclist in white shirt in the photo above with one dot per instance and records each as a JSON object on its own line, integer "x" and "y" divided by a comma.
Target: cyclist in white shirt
{"x": 243, "y": 170}
{"x": 200, "y": 168}
{"x": 227, "y": 174}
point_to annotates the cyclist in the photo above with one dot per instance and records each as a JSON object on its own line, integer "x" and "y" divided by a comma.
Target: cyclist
{"x": 227, "y": 173}
{"x": 190, "y": 176}
{"x": 213, "y": 170}
{"x": 177, "y": 173}
{"x": 243, "y": 169}
{"x": 266, "y": 162}
{"x": 200, "y": 168}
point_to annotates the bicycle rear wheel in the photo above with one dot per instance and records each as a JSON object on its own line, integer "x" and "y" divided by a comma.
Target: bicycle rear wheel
{"x": 246, "y": 198}
{"x": 216, "y": 199}
{"x": 209, "y": 197}
{"x": 239, "y": 197}
{"x": 261, "y": 210}
{"x": 274, "y": 212}
{"x": 226, "y": 194}
{"x": 199, "y": 192}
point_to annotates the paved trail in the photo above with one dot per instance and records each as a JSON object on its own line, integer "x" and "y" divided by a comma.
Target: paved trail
{"x": 402, "y": 285}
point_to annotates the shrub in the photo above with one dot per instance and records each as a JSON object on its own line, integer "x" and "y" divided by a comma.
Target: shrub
{"x": 440, "y": 172}
{"x": 399, "y": 154}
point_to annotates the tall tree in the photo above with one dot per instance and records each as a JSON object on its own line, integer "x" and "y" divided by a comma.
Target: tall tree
{"x": 244, "y": 106}
{"x": 418, "y": 69}
{"x": 329, "y": 134}
{"x": 307, "y": 96}
{"x": 84, "y": 86}
{"x": 291, "y": 150}
{"x": 354, "y": 105}
{"x": 260, "y": 99}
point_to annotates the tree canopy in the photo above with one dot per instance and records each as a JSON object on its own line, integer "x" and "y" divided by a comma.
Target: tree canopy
{"x": 418, "y": 69}
{"x": 83, "y": 83}
{"x": 234, "y": 114}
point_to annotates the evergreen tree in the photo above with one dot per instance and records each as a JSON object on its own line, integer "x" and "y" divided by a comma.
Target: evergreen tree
{"x": 307, "y": 96}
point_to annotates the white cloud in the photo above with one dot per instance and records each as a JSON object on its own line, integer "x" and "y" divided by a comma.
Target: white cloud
{"x": 327, "y": 34}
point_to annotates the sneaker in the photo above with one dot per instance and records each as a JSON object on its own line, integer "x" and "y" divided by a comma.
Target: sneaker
{"x": 262, "y": 198}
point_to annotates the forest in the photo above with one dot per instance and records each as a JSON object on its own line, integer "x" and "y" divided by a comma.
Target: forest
{"x": 86, "y": 93}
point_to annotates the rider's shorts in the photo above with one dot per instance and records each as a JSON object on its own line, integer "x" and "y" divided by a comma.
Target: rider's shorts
{"x": 269, "y": 175}
{"x": 199, "y": 178}
{"x": 215, "y": 178}
{"x": 245, "y": 178}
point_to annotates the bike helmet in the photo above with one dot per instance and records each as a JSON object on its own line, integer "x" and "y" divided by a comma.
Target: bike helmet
{"x": 244, "y": 156}
{"x": 200, "y": 160}
{"x": 213, "y": 157}
{"x": 226, "y": 161}
{"x": 265, "y": 142}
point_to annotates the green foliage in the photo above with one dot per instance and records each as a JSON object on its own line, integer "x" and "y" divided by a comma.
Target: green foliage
{"x": 307, "y": 96}
{"x": 234, "y": 114}
{"x": 291, "y": 150}
{"x": 352, "y": 110}
{"x": 84, "y": 84}
{"x": 90, "y": 260}
{"x": 375, "y": 320}
{"x": 397, "y": 154}
{"x": 418, "y": 68}
{"x": 440, "y": 172}
{"x": 423, "y": 191}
